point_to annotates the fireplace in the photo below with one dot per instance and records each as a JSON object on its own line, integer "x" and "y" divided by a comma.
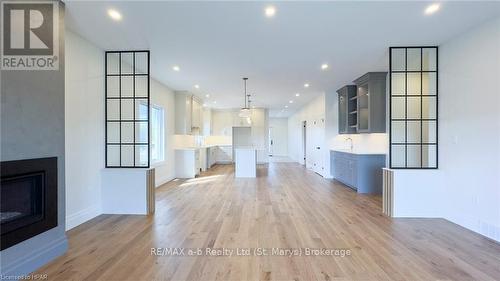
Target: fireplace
{"x": 28, "y": 194}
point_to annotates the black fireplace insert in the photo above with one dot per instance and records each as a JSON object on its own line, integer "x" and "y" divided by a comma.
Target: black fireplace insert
{"x": 28, "y": 195}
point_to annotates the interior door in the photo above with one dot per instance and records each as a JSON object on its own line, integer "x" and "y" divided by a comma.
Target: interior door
{"x": 320, "y": 149}
{"x": 271, "y": 141}
{"x": 310, "y": 145}
{"x": 316, "y": 147}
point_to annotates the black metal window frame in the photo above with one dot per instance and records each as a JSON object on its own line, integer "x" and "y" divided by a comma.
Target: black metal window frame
{"x": 134, "y": 98}
{"x": 406, "y": 119}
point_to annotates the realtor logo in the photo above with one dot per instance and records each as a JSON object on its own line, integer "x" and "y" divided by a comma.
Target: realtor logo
{"x": 30, "y": 35}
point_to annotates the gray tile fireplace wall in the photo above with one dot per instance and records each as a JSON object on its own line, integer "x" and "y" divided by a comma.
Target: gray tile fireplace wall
{"x": 32, "y": 126}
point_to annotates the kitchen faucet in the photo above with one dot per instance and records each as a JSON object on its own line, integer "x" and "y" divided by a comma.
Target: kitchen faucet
{"x": 352, "y": 144}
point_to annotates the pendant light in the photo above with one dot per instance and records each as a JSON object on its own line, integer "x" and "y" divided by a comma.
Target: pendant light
{"x": 245, "y": 110}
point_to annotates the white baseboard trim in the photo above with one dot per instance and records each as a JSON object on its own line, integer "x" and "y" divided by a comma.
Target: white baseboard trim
{"x": 82, "y": 216}
{"x": 36, "y": 259}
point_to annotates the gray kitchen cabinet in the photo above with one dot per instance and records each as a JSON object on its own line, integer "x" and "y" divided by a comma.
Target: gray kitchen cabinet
{"x": 371, "y": 102}
{"x": 361, "y": 172}
{"x": 347, "y": 109}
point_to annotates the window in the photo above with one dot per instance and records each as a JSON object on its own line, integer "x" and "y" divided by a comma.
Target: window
{"x": 157, "y": 134}
{"x": 413, "y": 110}
{"x": 127, "y": 113}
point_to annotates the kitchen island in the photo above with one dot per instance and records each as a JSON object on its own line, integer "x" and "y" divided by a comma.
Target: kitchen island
{"x": 245, "y": 162}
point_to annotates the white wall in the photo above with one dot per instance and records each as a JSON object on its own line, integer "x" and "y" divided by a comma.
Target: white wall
{"x": 84, "y": 125}
{"x": 313, "y": 111}
{"x": 163, "y": 96}
{"x": 84, "y": 114}
{"x": 467, "y": 183}
{"x": 279, "y": 127}
{"x": 124, "y": 191}
{"x": 469, "y": 128}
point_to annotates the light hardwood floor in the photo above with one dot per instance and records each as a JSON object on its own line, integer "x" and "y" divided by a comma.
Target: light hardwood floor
{"x": 287, "y": 206}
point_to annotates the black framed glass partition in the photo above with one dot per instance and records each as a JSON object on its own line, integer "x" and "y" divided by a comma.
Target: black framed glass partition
{"x": 413, "y": 112}
{"x": 127, "y": 98}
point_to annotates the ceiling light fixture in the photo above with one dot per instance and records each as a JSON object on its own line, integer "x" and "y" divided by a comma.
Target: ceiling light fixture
{"x": 197, "y": 86}
{"x": 291, "y": 101}
{"x": 176, "y": 68}
{"x": 215, "y": 101}
{"x": 306, "y": 85}
{"x": 270, "y": 11}
{"x": 207, "y": 95}
{"x": 286, "y": 106}
{"x": 297, "y": 94}
{"x": 324, "y": 66}
{"x": 431, "y": 9}
{"x": 114, "y": 14}
{"x": 245, "y": 110}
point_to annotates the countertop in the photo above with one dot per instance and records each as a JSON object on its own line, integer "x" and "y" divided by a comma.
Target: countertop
{"x": 358, "y": 152}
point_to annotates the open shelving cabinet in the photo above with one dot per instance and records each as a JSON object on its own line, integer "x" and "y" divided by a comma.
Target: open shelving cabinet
{"x": 347, "y": 99}
{"x": 362, "y": 107}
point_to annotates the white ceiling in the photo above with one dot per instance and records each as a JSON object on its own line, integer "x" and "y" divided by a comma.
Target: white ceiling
{"x": 215, "y": 44}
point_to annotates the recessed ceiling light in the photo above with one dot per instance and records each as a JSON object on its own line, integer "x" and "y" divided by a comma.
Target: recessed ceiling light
{"x": 197, "y": 86}
{"x": 207, "y": 95}
{"x": 286, "y": 106}
{"x": 204, "y": 105}
{"x": 306, "y": 85}
{"x": 270, "y": 11}
{"x": 176, "y": 68}
{"x": 291, "y": 101}
{"x": 215, "y": 101}
{"x": 297, "y": 94}
{"x": 114, "y": 14}
{"x": 324, "y": 66}
{"x": 432, "y": 8}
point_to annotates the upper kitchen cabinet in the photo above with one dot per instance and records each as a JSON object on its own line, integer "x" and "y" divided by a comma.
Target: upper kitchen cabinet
{"x": 371, "y": 91}
{"x": 207, "y": 122}
{"x": 347, "y": 109}
{"x": 188, "y": 114}
{"x": 196, "y": 114}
